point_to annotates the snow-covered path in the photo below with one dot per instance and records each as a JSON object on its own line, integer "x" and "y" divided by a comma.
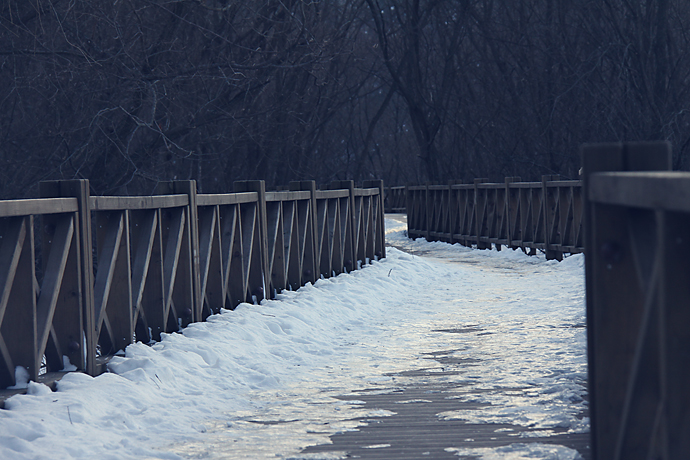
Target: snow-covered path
{"x": 276, "y": 380}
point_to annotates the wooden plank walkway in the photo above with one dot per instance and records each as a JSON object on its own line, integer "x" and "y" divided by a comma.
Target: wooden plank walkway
{"x": 416, "y": 431}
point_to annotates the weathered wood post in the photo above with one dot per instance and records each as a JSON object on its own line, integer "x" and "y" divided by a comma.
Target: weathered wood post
{"x": 428, "y": 206}
{"x": 548, "y": 207}
{"x": 452, "y": 211}
{"x": 479, "y": 200}
{"x": 379, "y": 220}
{"x": 258, "y": 288}
{"x": 512, "y": 206}
{"x": 409, "y": 207}
{"x": 622, "y": 331}
{"x": 80, "y": 283}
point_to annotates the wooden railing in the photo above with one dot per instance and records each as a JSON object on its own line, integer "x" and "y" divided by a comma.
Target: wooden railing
{"x": 544, "y": 215}
{"x": 82, "y": 277}
{"x": 395, "y": 199}
{"x": 638, "y": 301}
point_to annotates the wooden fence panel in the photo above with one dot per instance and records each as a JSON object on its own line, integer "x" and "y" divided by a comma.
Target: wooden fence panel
{"x": 81, "y": 279}
{"x": 147, "y": 274}
{"x": 347, "y": 222}
{"x": 368, "y": 228}
{"x": 162, "y": 261}
{"x": 40, "y": 315}
{"x": 255, "y": 240}
{"x": 234, "y": 260}
{"x": 113, "y": 283}
{"x": 364, "y": 226}
{"x": 289, "y": 223}
{"x": 292, "y": 251}
{"x": 180, "y": 227}
{"x": 18, "y": 345}
{"x": 212, "y": 287}
{"x": 308, "y": 228}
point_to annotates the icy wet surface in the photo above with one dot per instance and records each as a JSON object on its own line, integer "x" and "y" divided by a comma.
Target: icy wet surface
{"x": 499, "y": 335}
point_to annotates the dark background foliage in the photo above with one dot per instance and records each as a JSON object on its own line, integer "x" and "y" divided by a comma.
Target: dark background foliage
{"x": 130, "y": 92}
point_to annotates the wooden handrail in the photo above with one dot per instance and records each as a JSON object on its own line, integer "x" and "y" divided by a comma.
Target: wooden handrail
{"x": 325, "y": 194}
{"x": 118, "y": 203}
{"x": 37, "y": 206}
{"x": 667, "y": 190}
{"x": 287, "y": 196}
{"x": 366, "y": 192}
{"x": 226, "y": 198}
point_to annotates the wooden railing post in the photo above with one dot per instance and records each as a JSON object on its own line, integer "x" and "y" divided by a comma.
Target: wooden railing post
{"x": 79, "y": 188}
{"x": 387, "y": 199}
{"x": 409, "y": 208}
{"x": 620, "y": 324}
{"x": 511, "y": 210}
{"x": 452, "y": 212}
{"x": 379, "y": 220}
{"x": 259, "y": 187}
{"x": 548, "y": 214}
{"x": 479, "y": 214}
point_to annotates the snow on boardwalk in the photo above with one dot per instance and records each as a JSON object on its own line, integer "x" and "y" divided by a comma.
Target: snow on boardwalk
{"x": 449, "y": 353}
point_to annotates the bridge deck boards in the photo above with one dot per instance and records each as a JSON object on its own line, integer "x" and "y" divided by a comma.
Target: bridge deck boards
{"x": 416, "y": 431}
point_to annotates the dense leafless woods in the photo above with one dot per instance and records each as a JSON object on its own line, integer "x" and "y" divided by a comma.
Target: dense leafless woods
{"x": 130, "y": 92}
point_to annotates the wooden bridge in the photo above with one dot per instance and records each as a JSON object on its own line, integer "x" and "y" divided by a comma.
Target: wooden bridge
{"x": 99, "y": 272}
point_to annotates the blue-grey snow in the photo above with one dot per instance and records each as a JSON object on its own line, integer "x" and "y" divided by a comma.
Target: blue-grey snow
{"x": 193, "y": 394}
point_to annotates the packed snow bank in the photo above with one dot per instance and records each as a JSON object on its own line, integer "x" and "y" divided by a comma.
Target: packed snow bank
{"x": 199, "y": 393}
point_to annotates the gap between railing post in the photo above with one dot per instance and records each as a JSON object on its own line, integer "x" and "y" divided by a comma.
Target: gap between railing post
{"x": 188, "y": 187}
{"x": 349, "y": 261}
{"x": 310, "y": 186}
{"x": 259, "y": 186}
{"x": 379, "y": 219}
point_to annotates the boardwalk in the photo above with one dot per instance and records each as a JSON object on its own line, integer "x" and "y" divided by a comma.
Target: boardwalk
{"x": 433, "y": 353}
{"x": 416, "y": 387}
